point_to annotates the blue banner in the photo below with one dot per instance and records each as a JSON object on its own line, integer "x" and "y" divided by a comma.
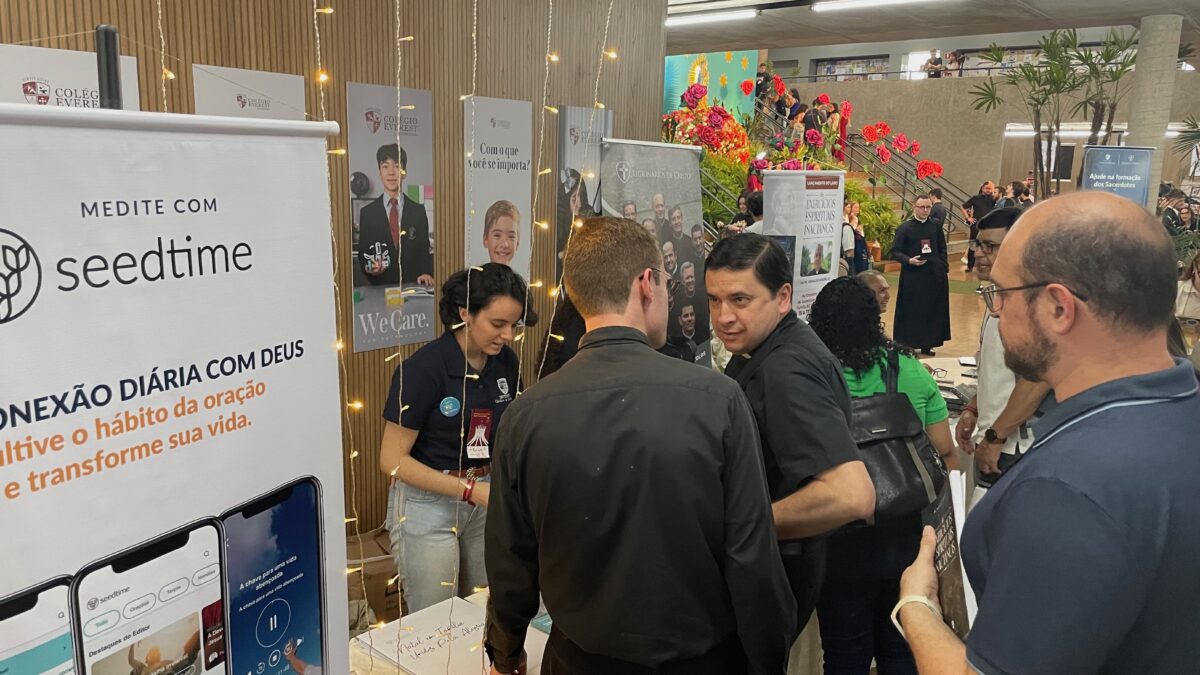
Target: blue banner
{"x": 1120, "y": 170}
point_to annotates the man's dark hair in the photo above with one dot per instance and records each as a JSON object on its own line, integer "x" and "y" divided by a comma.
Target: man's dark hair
{"x": 845, "y": 316}
{"x": 1018, "y": 189}
{"x": 753, "y": 251}
{"x": 816, "y": 102}
{"x": 796, "y": 93}
{"x": 755, "y": 203}
{"x": 393, "y": 152}
{"x": 1000, "y": 218}
{"x": 697, "y": 226}
{"x": 1127, "y": 276}
{"x": 488, "y": 282}
{"x": 935, "y": 192}
{"x": 762, "y": 66}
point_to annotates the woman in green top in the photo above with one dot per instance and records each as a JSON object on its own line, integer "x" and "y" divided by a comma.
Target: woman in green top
{"x": 863, "y": 567}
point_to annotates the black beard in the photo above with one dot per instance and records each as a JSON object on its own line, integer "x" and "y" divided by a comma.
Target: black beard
{"x": 1034, "y": 359}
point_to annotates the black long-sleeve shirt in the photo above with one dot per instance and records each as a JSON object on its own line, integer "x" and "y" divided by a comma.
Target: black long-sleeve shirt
{"x": 629, "y": 489}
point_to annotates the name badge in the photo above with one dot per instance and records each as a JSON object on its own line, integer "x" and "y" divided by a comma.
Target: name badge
{"x": 479, "y": 445}
{"x": 449, "y": 406}
{"x": 925, "y": 247}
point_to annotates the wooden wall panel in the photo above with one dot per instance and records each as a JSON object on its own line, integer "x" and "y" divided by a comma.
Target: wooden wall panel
{"x": 357, "y": 46}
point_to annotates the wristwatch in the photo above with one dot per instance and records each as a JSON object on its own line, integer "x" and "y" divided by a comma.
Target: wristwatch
{"x": 991, "y": 437}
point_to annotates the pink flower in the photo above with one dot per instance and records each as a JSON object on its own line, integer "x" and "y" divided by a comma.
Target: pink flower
{"x": 708, "y": 136}
{"x": 900, "y": 143}
{"x": 693, "y": 95}
{"x": 847, "y": 109}
{"x": 796, "y": 146}
{"x": 791, "y": 165}
{"x": 883, "y": 153}
{"x": 814, "y": 138}
{"x": 914, "y": 148}
{"x": 759, "y": 164}
{"x": 823, "y": 99}
{"x": 715, "y": 119}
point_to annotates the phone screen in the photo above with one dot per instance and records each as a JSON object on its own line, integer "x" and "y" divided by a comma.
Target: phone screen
{"x": 35, "y": 632}
{"x": 156, "y": 610}
{"x": 274, "y": 561}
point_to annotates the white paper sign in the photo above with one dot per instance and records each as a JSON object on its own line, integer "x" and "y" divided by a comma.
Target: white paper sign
{"x": 234, "y": 92}
{"x": 803, "y": 212}
{"x": 167, "y": 325}
{"x": 60, "y": 78}
{"x": 498, "y": 139}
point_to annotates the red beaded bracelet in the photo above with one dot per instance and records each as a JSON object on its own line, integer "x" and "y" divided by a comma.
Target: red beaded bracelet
{"x": 470, "y": 489}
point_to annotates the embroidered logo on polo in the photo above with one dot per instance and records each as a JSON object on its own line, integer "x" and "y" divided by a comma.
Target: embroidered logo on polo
{"x": 502, "y": 384}
{"x": 450, "y": 406}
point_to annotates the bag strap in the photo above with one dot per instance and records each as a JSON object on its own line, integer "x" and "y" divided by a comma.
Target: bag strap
{"x": 891, "y": 370}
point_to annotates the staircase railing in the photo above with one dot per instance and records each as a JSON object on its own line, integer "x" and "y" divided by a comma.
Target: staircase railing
{"x": 725, "y": 200}
{"x": 900, "y": 179}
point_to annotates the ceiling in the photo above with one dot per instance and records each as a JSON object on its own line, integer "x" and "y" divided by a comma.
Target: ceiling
{"x": 794, "y": 24}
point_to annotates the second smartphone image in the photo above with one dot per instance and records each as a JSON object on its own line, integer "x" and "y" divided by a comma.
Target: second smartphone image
{"x": 276, "y": 591}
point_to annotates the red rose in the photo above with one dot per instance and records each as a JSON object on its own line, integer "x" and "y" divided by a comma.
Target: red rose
{"x": 847, "y": 109}
{"x": 748, "y": 87}
{"x": 715, "y": 119}
{"x": 900, "y": 143}
{"x": 823, "y": 99}
{"x": 926, "y": 169}
{"x": 883, "y": 128}
{"x": 780, "y": 87}
{"x": 708, "y": 136}
{"x": 914, "y": 148}
{"x": 814, "y": 138}
{"x": 870, "y": 133}
{"x": 883, "y": 153}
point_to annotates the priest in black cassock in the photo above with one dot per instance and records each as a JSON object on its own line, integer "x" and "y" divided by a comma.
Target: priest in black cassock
{"x": 923, "y": 303}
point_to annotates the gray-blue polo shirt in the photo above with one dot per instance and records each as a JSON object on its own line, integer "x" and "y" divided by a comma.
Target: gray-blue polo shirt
{"x": 1086, "y": 555}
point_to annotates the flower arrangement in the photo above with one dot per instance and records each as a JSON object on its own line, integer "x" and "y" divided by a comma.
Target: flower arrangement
{"x": 711, "y": 127}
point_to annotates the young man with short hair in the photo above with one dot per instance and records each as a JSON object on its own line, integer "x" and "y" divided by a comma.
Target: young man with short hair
{"x": 649, "y": 538}
{"x": 383, "y": 223}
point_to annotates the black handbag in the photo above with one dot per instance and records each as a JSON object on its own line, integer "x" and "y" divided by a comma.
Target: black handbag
{"x": 907, "y": 470}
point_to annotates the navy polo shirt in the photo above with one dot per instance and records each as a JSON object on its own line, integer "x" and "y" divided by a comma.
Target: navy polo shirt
{"x": 1085, "y": 554}
{"x": 433, "y": 392}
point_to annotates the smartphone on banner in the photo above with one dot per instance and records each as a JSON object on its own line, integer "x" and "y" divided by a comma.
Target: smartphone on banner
{"x": 155, "y": 609}
{"x": 35, "y": 630}
{"x": 275, "y": 582}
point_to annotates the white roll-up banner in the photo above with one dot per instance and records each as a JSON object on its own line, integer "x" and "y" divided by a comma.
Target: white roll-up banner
{"x": 498, "y": 143}
{"x": 60, "y": 78}
{"x": 803, "y": 212}
{"x": 580, "y": 131}
{"x": 171, "y": 490}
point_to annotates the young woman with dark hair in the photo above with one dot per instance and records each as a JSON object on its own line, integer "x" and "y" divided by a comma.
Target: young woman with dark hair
{"x": 864, "y": 565}
{"x": 437, "y": 446}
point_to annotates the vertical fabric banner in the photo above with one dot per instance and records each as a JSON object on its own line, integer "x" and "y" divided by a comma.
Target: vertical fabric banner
{"x": 60, "y": 78}
{"x": 498, "y": 181}
{"x": 1121, "y": 170}
{"x": 658, "y": 186}
{"x": 803, "y": 212}
{"x": 167, "y": 323}
{"x": 391, "y": 209}
{"x": 579, "y": 133}
{"x": 234, "y": 92}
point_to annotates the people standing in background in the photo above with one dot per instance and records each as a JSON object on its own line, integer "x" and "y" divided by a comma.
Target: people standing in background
{"x": 629, "y": 211}
{"x": 954, "y": 62}
{"x": 382, "y": 223}
{"x": 864, "y": 564}
{"x": 814, "y": 119}
{"x": 1004, "y": 197}
{"x": 682, "y": 567}
{"x": 975, "y": 208}
{"x": 1188, "y": 222}
{"x": 1083, "y": 558}
{"x": 995, "y": 425}
{"x": 1187, "y": 302}
{"x": 923, "y": 302}
{"x": 441, "y": 484}
{"x": 756, "y": 212}
{"x": 800, "y": 401}
{"x": 937, "y": 212}
{"x": 762, "y": 81}
{"x": 933, "y": 66}
{"x": 862, "y": 251}
{"x": 1171, "y": 205}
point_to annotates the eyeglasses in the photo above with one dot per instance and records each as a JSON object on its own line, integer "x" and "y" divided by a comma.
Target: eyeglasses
{"x": 994, "y": 300}
{"x": 672, "y": 282}
{"x": 984, "y": 247}
{"x": 939, "y": 373}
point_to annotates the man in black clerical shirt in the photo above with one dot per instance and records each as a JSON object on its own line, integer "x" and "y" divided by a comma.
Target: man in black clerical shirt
{"x": 976, "y": 208}
{"x": 628, "y": 488}
{"x": 801, "y": 405}
{"x": 762, "y": 82}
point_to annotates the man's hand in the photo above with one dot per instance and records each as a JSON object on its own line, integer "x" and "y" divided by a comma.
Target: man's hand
{"x": 987, "y": 457}
{"x": 521, "y": 669}
{"x": 921, "y": 577}
{"x": 916, "y": 261}
{"x": 425, "y": 280}
{"x": 965, "y": 430}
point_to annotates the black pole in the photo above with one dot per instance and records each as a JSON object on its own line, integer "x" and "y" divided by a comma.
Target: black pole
{"x": 108, "y": 67}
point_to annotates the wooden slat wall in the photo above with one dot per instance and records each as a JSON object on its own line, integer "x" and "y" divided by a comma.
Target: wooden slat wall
{"x": 357, "y": 45}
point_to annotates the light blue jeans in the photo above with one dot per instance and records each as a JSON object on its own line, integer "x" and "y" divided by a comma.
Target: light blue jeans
{"x": 427, "y": 549}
